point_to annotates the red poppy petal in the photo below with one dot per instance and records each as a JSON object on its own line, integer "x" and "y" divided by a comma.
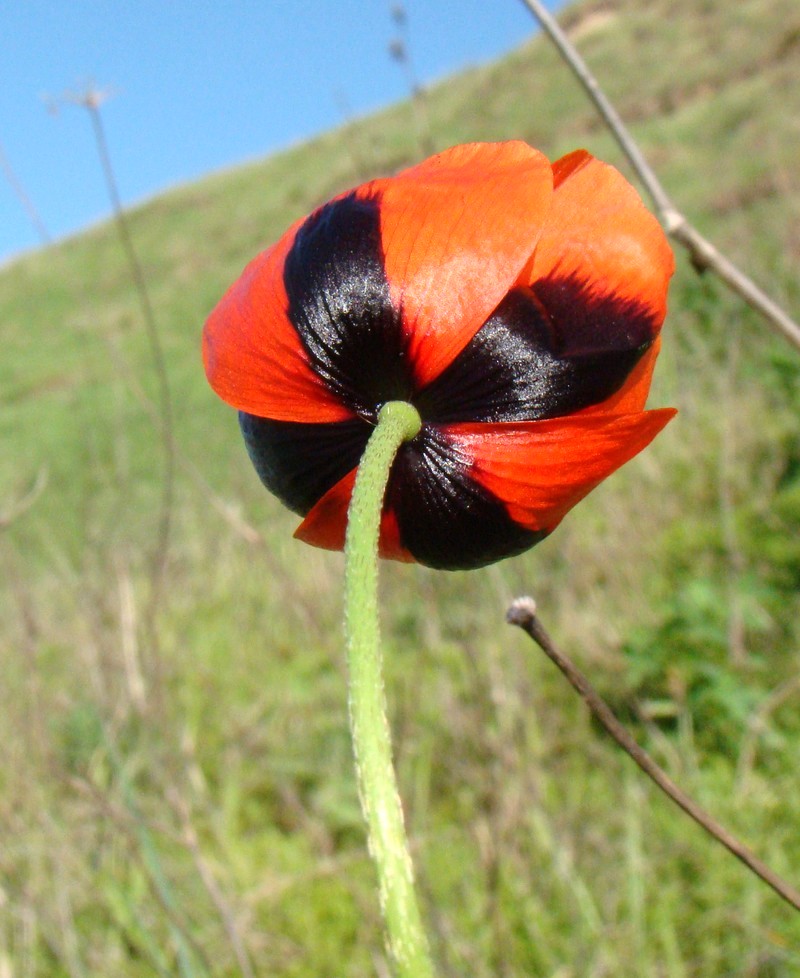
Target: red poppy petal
{"x": 326, "y": 523}
{"x": 253, "y": 356}
{"x": 567, "y": 165}
{"x": 457, "y": 229}
{"x": 599, "y": 234}
{"x": 541, "y": 469}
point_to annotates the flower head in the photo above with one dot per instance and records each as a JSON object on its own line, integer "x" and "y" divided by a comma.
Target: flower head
{"x": 515, "y": 303}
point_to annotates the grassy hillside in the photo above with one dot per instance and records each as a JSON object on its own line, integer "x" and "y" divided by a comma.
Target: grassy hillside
{"x": 177, "y": 793}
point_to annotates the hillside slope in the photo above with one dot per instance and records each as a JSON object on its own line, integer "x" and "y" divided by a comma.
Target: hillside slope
{"x": 177, "y": 787}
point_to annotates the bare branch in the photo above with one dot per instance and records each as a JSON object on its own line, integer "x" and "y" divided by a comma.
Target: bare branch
{"x": 522, "y": 612}
{"x": 702, "y": 253}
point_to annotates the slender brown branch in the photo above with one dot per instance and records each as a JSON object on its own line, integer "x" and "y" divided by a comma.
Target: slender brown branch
{"x": 522, "y": 612}
{"x": 702, "y": 253}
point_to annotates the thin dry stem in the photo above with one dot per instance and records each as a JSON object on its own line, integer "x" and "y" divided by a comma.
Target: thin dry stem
{"x": 27, "y": 204}
{"x": 757, "y": 725}
{"x": 191, "y": 841}
{"x": 92, "y": 103}
{"x": 24, "y": 503}
{"x": 400, "y": 53}
{"x": 92, "y": 99}
{"x": 702, "y": 253}
{"x": 126, "y": 816}
{"x": 228, "y": 511}
{"x": 129, "y": 644}
{"x": 522, "y": 612}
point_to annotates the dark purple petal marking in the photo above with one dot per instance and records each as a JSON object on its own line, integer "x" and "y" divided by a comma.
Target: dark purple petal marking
{"x": 299, "y": 463}
{"x": 339, "y": 304}
{"x": 517, "y": 367}
{"x": 446, "y": 519}
{"x": 514, "y": 369}
{"x": 587, "y": 322}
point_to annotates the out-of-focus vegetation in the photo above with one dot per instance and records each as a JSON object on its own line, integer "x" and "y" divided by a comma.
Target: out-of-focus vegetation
{"x": 179, "y": 799}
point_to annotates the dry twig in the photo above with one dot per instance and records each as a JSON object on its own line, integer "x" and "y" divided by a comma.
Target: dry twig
{"x": 702, "y": 253}
{"x": 522, "y": 612}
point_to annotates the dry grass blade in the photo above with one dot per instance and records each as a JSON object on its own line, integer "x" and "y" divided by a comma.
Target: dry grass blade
{"x": 191, "y": 841}
{"x": 24, "y": 503}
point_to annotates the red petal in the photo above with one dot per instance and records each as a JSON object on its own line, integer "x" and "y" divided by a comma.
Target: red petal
{"x": 541, "y": 469}
{"x": 253, "y": 356}
{"x": 568, "y": 164}
{"x": 457, "y": 230}
{"x": 326, "y": 523}
{"x": 599, "y": 232}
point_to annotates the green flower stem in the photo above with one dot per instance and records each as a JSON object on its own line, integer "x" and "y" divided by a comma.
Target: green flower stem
{"x": 380, "y": 801}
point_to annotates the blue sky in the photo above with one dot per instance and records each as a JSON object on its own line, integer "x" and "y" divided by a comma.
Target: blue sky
{"x": 199, "y": 86}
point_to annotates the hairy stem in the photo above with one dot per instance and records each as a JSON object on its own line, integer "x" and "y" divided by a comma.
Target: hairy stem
{"x": 380, "y": 801}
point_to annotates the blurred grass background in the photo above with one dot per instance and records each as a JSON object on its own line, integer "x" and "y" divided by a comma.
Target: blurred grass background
{"x": 178, "y": 795}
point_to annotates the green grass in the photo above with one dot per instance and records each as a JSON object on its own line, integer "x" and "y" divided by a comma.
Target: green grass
{"x": 181, "y": 801}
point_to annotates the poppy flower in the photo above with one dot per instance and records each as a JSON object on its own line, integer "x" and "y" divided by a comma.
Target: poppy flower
{"x": 515, "y": 303}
